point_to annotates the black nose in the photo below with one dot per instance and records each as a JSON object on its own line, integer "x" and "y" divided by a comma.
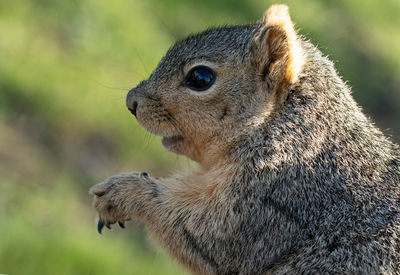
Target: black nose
{"x": 131, "y": 103}
{"x": 133, "y": 108}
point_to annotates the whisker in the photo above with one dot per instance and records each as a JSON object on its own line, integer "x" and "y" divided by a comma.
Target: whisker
{"x": 124, "y": 89}
{"x": 142, "y": 76}
{"x": 167, "y": 28}
{"x": 118, "y": 98}
{"x": 113, "y": 88}
{"x": 141, "y": 60}
{"x": 174, "y": 123}
{"x": 146, "y": 139}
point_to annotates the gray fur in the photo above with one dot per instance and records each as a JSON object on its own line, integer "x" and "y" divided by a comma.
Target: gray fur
{"x": 314, "y": 188}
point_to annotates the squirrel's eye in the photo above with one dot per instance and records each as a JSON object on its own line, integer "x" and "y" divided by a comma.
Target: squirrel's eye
{"x": 199, "y": 78}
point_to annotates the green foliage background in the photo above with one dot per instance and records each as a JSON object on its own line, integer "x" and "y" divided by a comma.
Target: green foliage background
{"x": 65, "y": 68}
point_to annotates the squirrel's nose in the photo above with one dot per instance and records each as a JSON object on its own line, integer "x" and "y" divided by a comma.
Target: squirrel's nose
{"x": 130, "y": 102}
{"x": 133, "y": 108}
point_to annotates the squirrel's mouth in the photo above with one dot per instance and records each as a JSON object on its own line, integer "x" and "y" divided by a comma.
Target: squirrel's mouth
{"x": 173, "y": 143}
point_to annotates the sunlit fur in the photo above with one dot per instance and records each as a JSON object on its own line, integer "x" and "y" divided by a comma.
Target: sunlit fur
{"x": 294, "y": 178}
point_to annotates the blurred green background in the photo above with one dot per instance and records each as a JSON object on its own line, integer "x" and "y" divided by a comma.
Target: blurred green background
{"x": 65, "y": 68}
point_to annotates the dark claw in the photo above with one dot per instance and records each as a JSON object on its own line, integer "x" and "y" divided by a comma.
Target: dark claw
{"x": 144, "y": 174}
{"x": 108, "y": 226}
{"x": 121, "y": 224}
{"x": 100, "y": 226}
{"x": 99, "y": 193}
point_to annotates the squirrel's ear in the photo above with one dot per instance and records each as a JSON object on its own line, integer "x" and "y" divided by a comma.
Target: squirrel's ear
{"x": 276, "y": 46}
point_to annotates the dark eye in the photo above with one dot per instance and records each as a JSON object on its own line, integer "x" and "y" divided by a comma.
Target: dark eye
{"x": 199, "y": 78}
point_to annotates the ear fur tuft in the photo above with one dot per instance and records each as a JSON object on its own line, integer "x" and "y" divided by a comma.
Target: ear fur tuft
{"x": 278, "y": 16}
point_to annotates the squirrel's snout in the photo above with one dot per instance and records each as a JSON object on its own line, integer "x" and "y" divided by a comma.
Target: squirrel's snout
{"x": 130, "y": 102}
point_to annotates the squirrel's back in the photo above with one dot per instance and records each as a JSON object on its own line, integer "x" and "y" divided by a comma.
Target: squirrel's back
{"x": 324, "y": 165}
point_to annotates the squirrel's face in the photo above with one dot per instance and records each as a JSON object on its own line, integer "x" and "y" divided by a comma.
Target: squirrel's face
{"x": 196, "y": 93}
{"x": 204, "y": 90}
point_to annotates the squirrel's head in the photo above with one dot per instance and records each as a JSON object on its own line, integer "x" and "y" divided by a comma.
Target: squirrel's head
{"x": 211, "y": 87}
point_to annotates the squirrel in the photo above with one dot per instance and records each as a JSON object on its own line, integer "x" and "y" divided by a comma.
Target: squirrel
{"x": 293, "y": 178}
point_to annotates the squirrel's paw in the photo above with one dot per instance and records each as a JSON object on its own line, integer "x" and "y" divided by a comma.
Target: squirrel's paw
{"x": 114, "y": 198}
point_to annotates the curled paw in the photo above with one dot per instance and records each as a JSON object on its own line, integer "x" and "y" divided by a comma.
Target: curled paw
{"x": 114, "y": 199}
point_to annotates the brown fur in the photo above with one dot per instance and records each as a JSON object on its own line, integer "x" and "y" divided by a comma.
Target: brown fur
{"x": 293, "y": 178}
